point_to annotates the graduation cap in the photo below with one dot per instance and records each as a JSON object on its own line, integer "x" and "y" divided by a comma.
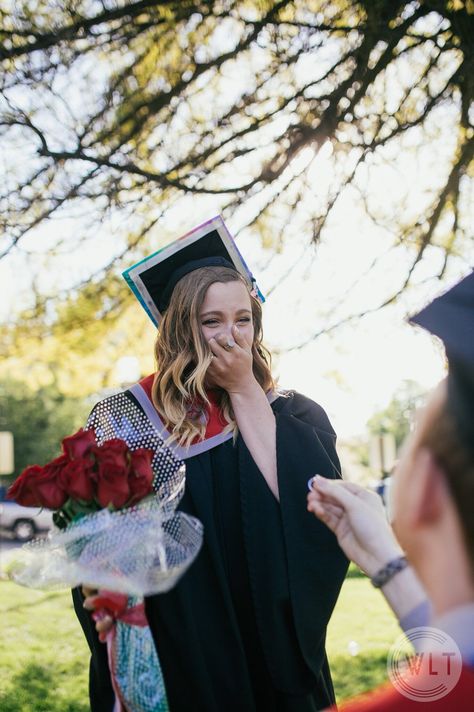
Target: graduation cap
{"x": 451, "y": 318}
{"x": 153, "y": 279}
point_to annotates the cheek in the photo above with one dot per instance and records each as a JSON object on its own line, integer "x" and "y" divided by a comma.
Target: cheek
{"x": 207, "y": 332}
{"x": 247, "y": 330}
{"x": 400, "y": 498}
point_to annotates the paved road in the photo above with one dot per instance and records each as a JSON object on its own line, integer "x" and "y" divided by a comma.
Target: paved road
{"x": 8, "y": 542}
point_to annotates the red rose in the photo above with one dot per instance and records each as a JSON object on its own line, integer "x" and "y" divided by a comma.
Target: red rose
{"x": 22, "y": 489}
{"x": 79, "y": 444}
{"x": 112, "y": 485}
{"x": 78, "y": 479}
{"x": 141, "y": 474}
{"x": 48, "y": 484}
{"x": 55, "y": 468}
{"x": 113, "y": 453}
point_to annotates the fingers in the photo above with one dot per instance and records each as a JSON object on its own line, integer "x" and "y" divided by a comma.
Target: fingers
{"x": 337, "y": 491}
{"x": 217, "y": 349}
{"x": 223, "y": 344}
{"x": 240, "y": 339}
{"x": 315, "y": 499}
{"x": 329, "y": 514}
{"x": 361, "y": 494}
{"x": 104, "y": 624}
{"x": 329, "y": 509}
{"x": 103, "y": 621}
{"x": 89, "y": 602}
{"x": 355, "y": 488}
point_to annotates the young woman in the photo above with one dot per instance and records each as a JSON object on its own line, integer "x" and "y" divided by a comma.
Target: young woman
{"x": 244, "y": 629}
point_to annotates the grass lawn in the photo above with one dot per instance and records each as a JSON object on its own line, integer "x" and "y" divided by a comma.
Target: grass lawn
{"x": 362, "y": 621}
{"x": 44, "y": 658}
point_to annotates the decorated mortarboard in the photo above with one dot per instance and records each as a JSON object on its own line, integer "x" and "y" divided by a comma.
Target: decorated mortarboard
{"x": 451, "y": 318}
{"x": 153, "y": 279}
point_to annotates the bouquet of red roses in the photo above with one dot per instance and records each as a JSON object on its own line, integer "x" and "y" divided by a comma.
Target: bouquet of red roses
{"x": 85, "y": 478}
{"x": 113, "y": 530}
{"x": 117, "y": 529}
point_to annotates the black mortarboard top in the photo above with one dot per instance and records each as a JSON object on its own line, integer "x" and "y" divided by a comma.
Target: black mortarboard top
{"x": 451, "y": 318}
{"x": 153, "y": 279}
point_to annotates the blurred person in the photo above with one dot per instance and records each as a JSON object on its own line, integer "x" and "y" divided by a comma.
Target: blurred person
{"x": 433, "y": 503}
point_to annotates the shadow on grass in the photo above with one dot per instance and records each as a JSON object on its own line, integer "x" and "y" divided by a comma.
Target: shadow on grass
{"x": 353, "y": 675}
{"x": 31, "y": 604}
{"x": 35, "y": 689}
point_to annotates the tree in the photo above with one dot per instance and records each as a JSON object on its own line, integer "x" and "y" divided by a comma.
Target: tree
{"x": 115, "y": 112}
{"x": 39, "y": 419}
{"x": 398, "y": 417}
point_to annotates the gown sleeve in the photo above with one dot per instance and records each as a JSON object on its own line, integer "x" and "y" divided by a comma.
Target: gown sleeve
{"x": 417, "y": 617}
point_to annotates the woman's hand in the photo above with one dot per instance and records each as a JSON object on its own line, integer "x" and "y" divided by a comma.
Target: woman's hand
{"x": 231, "y": 367}
{"x": 105, "y": 623}
{"x": 357, "y": 517}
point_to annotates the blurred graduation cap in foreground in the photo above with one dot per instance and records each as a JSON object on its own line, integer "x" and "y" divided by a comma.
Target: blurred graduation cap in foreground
{"x": 153, "y": 279}
{"x": 451, "y": 318}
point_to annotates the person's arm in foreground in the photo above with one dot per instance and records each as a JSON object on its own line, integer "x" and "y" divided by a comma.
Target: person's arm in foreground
{"x": 357, "y": 517}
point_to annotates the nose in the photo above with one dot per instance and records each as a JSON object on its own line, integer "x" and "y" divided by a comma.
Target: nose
{"x": 226, "y": 329}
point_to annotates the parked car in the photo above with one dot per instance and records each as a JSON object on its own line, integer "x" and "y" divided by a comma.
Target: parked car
{"x": 24, "y": 522}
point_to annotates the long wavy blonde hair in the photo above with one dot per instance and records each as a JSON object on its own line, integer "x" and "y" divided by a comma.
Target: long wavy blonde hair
{"x": 183, "y": 357}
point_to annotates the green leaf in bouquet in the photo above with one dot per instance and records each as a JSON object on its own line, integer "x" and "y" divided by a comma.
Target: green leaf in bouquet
{"x": 75, "y": 509}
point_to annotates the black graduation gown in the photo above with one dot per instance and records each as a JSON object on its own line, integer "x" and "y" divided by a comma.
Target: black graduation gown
{"x": 244, "y": 629}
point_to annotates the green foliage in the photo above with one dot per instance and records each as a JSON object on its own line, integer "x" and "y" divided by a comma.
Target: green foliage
{"x": 39, "y": 419}
{"x": 124, "y": 115}
{"x": 42, "y": 677}
{"x": 397, "y": 418}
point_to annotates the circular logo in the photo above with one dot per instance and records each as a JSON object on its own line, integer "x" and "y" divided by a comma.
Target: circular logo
{"x": 429, "y": 674}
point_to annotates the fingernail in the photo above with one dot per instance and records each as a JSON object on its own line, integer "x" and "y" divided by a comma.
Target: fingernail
{"x": 320, "y": 481}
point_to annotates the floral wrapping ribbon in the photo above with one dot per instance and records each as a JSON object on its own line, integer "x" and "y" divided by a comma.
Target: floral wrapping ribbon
{"x": 135, "y": 670}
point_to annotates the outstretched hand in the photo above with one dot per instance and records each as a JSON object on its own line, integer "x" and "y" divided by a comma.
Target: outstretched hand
{"x": 357, "y": 518}
{"x": 231, "y": 367}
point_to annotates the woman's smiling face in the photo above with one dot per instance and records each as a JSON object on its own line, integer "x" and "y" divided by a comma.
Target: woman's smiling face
{"x": 227, "y": 304}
